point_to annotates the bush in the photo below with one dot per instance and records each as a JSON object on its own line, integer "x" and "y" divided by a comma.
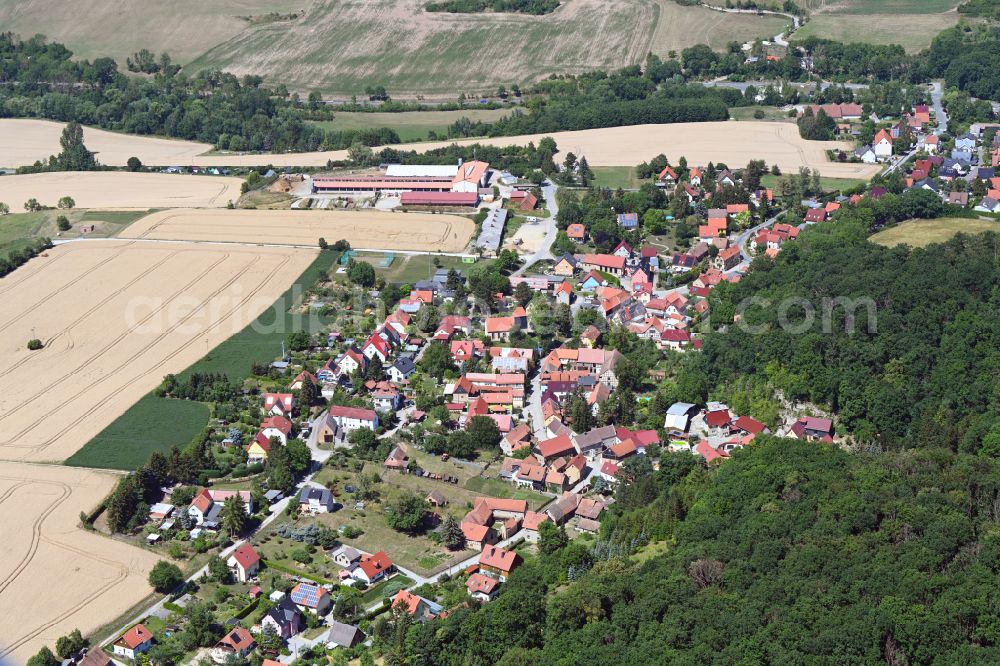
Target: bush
{"x": 35, "y": 344}
{"x": 165, "y": 577}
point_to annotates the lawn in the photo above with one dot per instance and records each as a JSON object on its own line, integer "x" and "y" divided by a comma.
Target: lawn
{"x": 152, "y": 424}
{"x": 408, "y": 269}
{"x": 494, "y": 487}
{"x": 260, "y": 341}
{"x": 616, "y": 176}
{"x": 410, "y": 125}
{"x": 828, "y": 184}
{"x": 921, "y": 233}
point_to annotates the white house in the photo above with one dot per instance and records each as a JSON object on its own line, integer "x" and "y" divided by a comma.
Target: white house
{"x": 134, "y": 642}
{"x": 352, "y": 418}
{"x": 882, "y": 145}
{"x": 244, "y": 563}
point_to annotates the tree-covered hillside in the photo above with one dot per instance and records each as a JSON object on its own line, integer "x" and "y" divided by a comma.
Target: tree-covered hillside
{"x": 928, "y": 374}
{"x": 791, "y": 553}
{"x": 794, "y": 552}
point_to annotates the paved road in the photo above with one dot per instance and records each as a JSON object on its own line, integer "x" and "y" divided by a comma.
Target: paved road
{"x": 937, "y": 89}
{"x": 545, "y": 249}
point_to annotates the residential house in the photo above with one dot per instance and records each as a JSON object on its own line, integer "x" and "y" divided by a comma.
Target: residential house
{"x": 373, "y": 568}
{"x": 276, "y": 426}
{"x": 555, "y": 447}
{"x": 592, "y": 281}
{"x": 667, "y": 177}
{"x": 133, "y": 642}
{"x": 882, "y": 145}
{"x": 353, "y": 418}
{"x": 482, "y": 587}
{"x": 518, "y": 438}
{"x": 608, "y": 263}
{"x": 313, "y": 500}
{"x": 730, "y": 258}
{"x": 678, "y": 418}
{"x": 278, "y": 404}
{"x": 398, "y": 458}
{"x": 347, "y": 557}
{"x": 813, "y": 429}
{"x": 244, "y": 563}
{"x": 207, "y": 505}
{"x": 628, "y": 221}
{"x": 590, "y": 336}
{"x": 387, "y": 399}
{"x": 500, "y": 328}
{"x": 327, "y": 429}
{"x": 498, "y": 562}
{"x": 594, "y": 442}
{"x": 417, "y": 607}
{"x": 563, "y": 508}
{"x": 466, "y": 350}
{"x": 239, "y": 642}
{"x": 300, "y": 379}
{"x": 284, "y": 619}
{"x": 866, "y": 154}
{"x": 402, "y": 369}
{"x": 564, "y": 293}
{"x": 478, "y": 536}
{"x": 966, "y": 142}
{"x": 343, "y": 635}
{"x": 452, "y": 325}
{"x": 565, "y": 265}
{"x": 576, "y": 232}
{"x": 312, "y": 598}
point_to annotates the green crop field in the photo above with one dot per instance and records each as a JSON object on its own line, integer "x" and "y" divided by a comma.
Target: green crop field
{"x": 410, "y": 125}
{"x": 156, "y": 424}
{"x": 152, "y": 424}
{"x": 921, "y": 233}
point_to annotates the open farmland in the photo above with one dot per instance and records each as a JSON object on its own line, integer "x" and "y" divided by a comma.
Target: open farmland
{"x": 115, "y": 317}
{"x": 26, "y": 141}
{"x": 341, "y": 46}
{"x": 921, "y": 233}
{"x": 184, "y": 28}
{"x": 913, "y": 32}
{"x": 679, "y": 27}
{"x": 363, "y": 229}
{"x": 43, "y": 548}
{"x": 734, "y": 143}
{"x": 344, "y": 45}
{"x": 115, "y": 189}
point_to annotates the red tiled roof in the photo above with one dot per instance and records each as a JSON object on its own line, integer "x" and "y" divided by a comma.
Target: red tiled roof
{"x": 135, "y": 637}
{"x": 246, "y": 556}
{"x": 372, "y": 565}
{"x": 498, "y": 558}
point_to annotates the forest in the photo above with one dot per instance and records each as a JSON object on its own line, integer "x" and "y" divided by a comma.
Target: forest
{"x": 917, "y": 366}
{"x": 790, "y": 553}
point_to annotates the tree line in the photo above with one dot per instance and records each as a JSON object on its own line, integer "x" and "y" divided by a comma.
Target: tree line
{"x": 536, "y": 7}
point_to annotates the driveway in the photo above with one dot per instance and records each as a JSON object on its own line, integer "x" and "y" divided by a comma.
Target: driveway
{"x": 544, "y": 251}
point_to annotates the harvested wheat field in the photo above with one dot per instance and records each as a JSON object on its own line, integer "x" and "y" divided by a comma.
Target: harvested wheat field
{"x": 43, "y": 550}
{"x": 115, "y": 317}
{"x": 373, "y": 229}
{"x": 115, "y": 189}
{"x": 734, "y": 143}
{"x": 26, "y": 141}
